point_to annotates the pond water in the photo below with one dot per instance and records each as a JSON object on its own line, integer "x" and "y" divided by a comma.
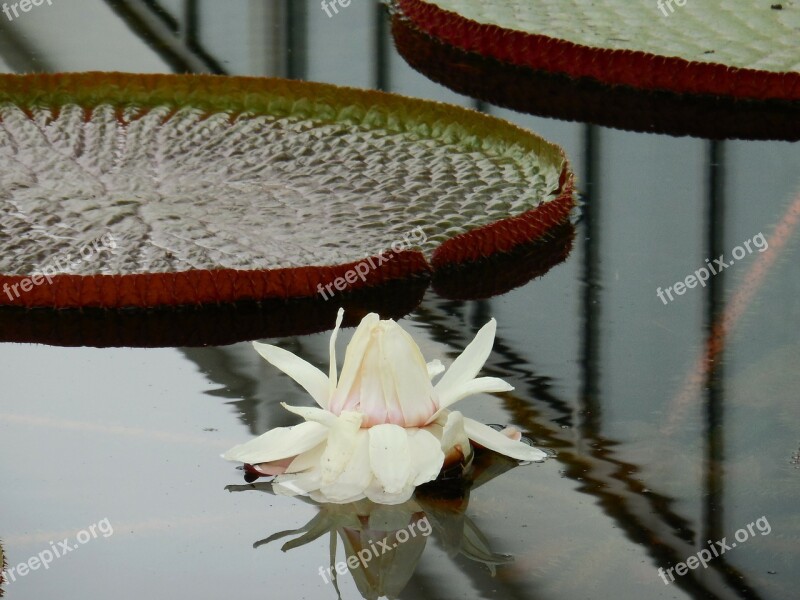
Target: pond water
{"x": 111, "y": 456}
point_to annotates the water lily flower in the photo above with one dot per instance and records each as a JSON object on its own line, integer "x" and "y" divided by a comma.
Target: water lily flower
{"x": 381, "y": 427}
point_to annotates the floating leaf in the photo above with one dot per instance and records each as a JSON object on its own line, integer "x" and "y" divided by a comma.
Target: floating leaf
{"x": 734, "y": 48}
{"x": 557, "y": 95}
{"x": 223, "y": 189}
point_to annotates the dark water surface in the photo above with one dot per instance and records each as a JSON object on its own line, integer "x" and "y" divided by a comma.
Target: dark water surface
{"x": 656, "y": 458}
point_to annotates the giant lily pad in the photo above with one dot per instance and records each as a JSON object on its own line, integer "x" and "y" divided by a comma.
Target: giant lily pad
{"x": 557, "y": 95}
{"x": 736, "y": 48}
{"x": 227, "y": 189}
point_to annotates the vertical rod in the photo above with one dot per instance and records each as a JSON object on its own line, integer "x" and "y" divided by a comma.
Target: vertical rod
{"x": 382, "y": 47}
{"x": 296, "y": 12}
{"x": 590, "y": 405}
{"x": 713, "y": 509}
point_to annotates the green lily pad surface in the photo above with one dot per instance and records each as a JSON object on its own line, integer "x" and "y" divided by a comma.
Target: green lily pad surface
{"x": 222, "y": 189}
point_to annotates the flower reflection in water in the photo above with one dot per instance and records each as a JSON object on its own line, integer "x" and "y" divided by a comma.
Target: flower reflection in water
{"x": 398, "y": 532}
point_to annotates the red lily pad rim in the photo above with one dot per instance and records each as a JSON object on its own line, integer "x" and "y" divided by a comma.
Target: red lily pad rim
{"x": 322, "y": 102}
{"x": 632, "y": 68}
{"x": 559, "y": 96}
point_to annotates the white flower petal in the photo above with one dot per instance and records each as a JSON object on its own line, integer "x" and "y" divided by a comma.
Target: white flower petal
{"x": 494, "y": 440}
{"x": 356, "y": 476}
{"x": 453, "y": 438}
{"x": 376, "y": 493}
{"x": 296, "y": 484}
{"x": 341, "y": 444}
{"x": 314, "y": 381}
{"x": 332, "y": 369}
{"x": 278, "y": 443}
{"x": 307, "y": 460}
{"x": 374, "y": 385}
{"x": 318, "y": 496}
{"x": 454, "y": 434}
{"x": 471, "y": 360}
{"x": 353, "y": 356}
{"x": 412, "y": 389}
{"x": 390, "y": 457}
{"x": 481, "y": 385}
{"x": 427, "y": 457}
{"x": 435, "y": 367}
{"x": 312, "y": 413}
